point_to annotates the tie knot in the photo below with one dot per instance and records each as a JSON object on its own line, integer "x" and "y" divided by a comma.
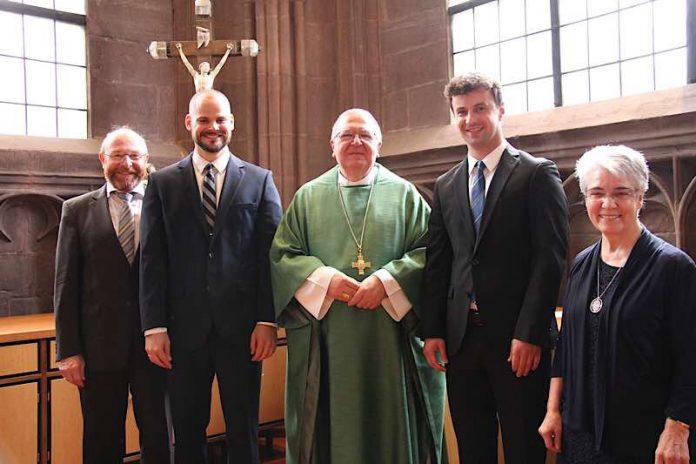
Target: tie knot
{"x": 481, "y": 166}
{"x": 209, "y": 169}
{"x": 124, "y": 196}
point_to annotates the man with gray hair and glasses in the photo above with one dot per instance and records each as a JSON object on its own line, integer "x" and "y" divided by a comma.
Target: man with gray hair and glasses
{"x": 100, "y": 344}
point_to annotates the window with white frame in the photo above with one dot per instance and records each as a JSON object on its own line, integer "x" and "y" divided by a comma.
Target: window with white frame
{"x": 43, "y": 82}
{"x": 548, "y": 53}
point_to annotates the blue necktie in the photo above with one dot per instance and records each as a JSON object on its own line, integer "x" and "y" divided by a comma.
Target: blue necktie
{"x": 478, "y": 195}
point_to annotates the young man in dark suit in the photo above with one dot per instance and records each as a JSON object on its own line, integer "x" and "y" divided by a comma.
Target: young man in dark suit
{"x": 99, "y": 338}
{"x": 208, "y": 223}
{"x": 495, "y": 254}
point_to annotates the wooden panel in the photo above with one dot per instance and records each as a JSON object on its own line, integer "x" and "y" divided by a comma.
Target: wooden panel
{"x": 453, "y": 453}
{"x": 217, "y": 420}
{"x": 450, "y": 438}
{"x": 132, "y": 435}
{"x": 19, "y": 359}
{"x": 52, "y": 355}
{"x": 272, "y": 404}
{"x": 18, "y": 424}
{"x": 20, "y": 328}
{"x": 66, "y": 423}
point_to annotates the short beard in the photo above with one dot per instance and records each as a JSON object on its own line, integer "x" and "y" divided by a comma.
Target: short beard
{"x": 208, "y": 148}
{"x": 119, "y": 185}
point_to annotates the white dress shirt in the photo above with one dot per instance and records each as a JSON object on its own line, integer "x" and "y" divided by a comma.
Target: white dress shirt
{"x": 199, "y": 164}
{"x": 312, "y": 294}
{"x": 491, "y": 161}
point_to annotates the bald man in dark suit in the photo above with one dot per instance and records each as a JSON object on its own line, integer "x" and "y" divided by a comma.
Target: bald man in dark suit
{"x": 206, "y": 300}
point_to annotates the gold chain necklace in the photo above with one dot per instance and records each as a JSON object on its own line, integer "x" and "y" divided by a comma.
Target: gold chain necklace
{"x": 360, "y": 264}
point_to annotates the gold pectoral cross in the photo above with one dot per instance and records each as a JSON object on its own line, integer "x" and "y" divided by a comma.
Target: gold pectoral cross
{"x": 361, "y": 264}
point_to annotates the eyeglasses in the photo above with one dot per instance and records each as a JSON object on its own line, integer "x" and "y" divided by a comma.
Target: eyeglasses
{"x": 348, "y": 136}
{"x": 118, "y": 157}
{"x": 618, "y": 195}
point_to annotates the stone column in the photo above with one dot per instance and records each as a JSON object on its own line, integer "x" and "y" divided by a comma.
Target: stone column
{"x": 280, "y": 80}
{"x": 359, "y": 55}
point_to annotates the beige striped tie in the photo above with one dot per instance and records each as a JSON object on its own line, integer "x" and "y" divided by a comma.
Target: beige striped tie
{"x": 126, "y": 226}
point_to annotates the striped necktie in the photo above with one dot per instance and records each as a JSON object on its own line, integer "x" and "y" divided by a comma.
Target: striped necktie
{"x": 478, "y": 195}
{"x": 208, "y": 197}
{"x": 126, "y": 226}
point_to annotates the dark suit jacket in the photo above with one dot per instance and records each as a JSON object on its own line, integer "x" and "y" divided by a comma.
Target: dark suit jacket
{"x": 192, "y": 283}
{"x": 514, "y": 265}
{"x": 96, "y": 289}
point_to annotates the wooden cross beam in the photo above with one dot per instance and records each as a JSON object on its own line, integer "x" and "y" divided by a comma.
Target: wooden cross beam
{"x": 164, "y": 50}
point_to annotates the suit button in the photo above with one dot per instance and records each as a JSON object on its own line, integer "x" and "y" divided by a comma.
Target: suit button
{"x": 210, "y": 255}
{"x": 474, "y": 262}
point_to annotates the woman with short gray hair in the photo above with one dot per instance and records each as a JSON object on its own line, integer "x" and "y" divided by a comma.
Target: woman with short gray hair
{"x": 619, "y": 161}
{"x": 623, "y": 382}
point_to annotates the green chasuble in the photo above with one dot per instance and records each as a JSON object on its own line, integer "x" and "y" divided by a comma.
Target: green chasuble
{"x": 358, "y": 389}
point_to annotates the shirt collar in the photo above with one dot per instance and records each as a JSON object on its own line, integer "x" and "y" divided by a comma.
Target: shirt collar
{"x": 367, "y": 180}
{"x": 138, "y": 190}
{"x": 491, "y": 160}
{"x": 199, "y": 163}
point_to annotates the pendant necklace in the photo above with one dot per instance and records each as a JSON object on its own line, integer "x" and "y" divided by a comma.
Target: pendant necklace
{"x": 596, "y": 304}
{"x": 360, "y": 264}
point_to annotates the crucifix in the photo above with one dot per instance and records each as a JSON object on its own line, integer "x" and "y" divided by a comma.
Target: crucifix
{"x": 204, "y": 48}
{"x": 361, "y": 264}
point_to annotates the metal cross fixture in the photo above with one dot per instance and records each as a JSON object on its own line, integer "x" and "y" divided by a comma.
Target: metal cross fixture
{"x": 204, "y": 48}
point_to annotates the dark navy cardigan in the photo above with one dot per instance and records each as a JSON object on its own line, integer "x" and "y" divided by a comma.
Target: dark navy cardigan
{"x": 646, "y": 354}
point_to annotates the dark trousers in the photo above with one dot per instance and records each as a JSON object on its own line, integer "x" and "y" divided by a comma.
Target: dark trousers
{"x": 104, "y": 401}
{"x": 483, "y": 390}
{"x": 239, "y": 381}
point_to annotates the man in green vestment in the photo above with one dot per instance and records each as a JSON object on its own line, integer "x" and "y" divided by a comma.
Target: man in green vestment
{"x": 346, "y": 268}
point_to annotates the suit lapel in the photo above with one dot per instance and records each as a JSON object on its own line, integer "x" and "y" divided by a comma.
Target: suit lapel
{"x": 234, "y": 176}
{"x": 103, "y": 223}
{"x": 508, "y": 162}
{"x": 188, "y": 181}
{"x": 461, "y": 188}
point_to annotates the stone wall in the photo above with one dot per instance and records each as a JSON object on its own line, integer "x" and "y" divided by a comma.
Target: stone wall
{"x": 415, "y": 55}
{"x": 658, "y": 124}
{"x": 126, "y": 86}
{"x": 36, "y": 176}
{"x": 319, "y": 57}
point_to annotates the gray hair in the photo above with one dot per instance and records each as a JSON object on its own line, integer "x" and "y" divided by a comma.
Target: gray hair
{"x": 619, "y": 160}
{"x": 118, "y": 132}
{"x": 365, "y": 114}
